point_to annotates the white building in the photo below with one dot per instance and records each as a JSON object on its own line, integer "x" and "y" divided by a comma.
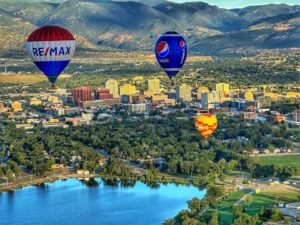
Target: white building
{"x": 88, "y": 116}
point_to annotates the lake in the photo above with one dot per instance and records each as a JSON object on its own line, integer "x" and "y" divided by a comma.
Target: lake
{"x": 95, "y": 202}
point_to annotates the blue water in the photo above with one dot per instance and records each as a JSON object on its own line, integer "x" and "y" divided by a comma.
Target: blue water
{"x": 73, "y": 202}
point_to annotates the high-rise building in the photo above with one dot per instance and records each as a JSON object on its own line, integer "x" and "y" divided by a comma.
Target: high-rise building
{"x": 184, "y": 93}
{"x": 222, "y": 87}
{"x": 113, "y": 87}
{"x": 154, "y": 85}
{"x": 127, "y": 89}
{"x": 81, "y": 95}
{"x": 210, "y": 99}
{"x": 103, "y": 93}
{"x": 199, "y": 91}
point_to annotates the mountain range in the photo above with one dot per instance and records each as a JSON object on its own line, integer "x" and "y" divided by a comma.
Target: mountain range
{"x": 135, "y": 25}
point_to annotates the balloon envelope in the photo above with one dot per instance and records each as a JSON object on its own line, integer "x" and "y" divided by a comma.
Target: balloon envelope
{"x": 206, "y": 124}
{"x": 51, "y": 49}
{"x": 171, "y": 52}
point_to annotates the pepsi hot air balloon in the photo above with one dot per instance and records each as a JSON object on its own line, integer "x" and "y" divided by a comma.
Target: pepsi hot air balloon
{"x": 51, "y": 49}
{"x": 171, "y": 52}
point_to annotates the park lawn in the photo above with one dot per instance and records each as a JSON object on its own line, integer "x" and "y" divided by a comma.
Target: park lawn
{"x": 271, "y": 196}
{"x": 225, "y": 208}
{"x": 286, "y": 160}
{"x": 260, "y": 200}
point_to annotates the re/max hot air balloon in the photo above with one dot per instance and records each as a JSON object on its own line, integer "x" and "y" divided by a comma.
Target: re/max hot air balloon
{"x": 51, "y": 49}
{"x": 171, "y": 52}
{"x": 206, "y": 124}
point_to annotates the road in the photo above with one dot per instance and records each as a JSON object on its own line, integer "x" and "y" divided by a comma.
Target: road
{"x": 276, "y": 154}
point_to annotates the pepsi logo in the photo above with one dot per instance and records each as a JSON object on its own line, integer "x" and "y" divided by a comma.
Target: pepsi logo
{"x": 162, "y": 49}
{"x": 182, "y": 44}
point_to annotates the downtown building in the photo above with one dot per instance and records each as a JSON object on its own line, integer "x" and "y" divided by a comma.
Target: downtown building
{"x": 128, "y": 89}
{"x": 209, "y": 100}
{"x": 103, "y": 93}
{"x": 184, "y": 93}
{"x": 81, "y": 95}
{"x": 113, "y": 87}
{"x": 153, "y": 86}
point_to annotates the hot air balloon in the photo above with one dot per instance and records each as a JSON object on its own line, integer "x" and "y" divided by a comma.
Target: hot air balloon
{"x": 171, "y": 52}
{"x": 51, "y": 49}
{"x": 206, "y": 124}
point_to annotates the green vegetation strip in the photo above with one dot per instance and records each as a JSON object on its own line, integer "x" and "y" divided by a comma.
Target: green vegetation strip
{"x": 293, "y": 160}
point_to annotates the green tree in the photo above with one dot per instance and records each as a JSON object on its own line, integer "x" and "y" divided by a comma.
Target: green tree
{"x": 276, "y": 215}
{"x": 245, "y": 219}
{"x": 214, "y": 219}
{"x": 248, "y": 199}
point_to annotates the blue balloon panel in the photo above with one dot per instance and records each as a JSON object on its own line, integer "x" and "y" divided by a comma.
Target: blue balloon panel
{"x": 52, "y": 69}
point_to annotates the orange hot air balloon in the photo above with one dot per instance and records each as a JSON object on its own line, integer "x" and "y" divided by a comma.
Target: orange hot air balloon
{"x": 206, "y": 124}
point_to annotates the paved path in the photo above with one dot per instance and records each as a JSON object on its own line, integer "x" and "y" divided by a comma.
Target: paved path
{"x": 276, "y": 154}
{"x": 244, "y": 198}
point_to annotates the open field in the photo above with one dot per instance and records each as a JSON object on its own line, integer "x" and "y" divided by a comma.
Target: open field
{"x": 269, "y": 196}
{"x": 290, "y": 193}
{"x": 225, "y": 208}
{"x": 26, "y": 78}
{"x": 283, "y": 160}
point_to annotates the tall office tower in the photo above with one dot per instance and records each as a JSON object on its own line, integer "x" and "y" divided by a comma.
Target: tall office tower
{"x": 210, "y": 99}
{"x": 184, "y": 93}
{"x": 154, "y": 85}
{"x": 113, "y": 87}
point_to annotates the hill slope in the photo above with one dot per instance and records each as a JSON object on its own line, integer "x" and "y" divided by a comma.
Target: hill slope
{"x": 131, "y": 25}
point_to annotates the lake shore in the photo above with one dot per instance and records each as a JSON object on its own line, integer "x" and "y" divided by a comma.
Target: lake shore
{"x": 34, "y": 180}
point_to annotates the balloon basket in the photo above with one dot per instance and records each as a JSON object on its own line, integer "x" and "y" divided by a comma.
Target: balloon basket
{"x": 52, "y": 88}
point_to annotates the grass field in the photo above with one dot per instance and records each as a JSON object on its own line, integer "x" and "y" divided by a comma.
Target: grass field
{"x": 293, "y": 160}
{"x": 225, "y": 208}
{"x": 26, "y": 78}
{"x": 271, "y": 195}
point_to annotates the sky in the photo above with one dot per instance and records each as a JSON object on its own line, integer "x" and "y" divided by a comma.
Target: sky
{"x": 242, "y": 3}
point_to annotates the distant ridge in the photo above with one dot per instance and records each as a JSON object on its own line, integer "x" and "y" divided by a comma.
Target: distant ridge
{"x": 132, "y": 25}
